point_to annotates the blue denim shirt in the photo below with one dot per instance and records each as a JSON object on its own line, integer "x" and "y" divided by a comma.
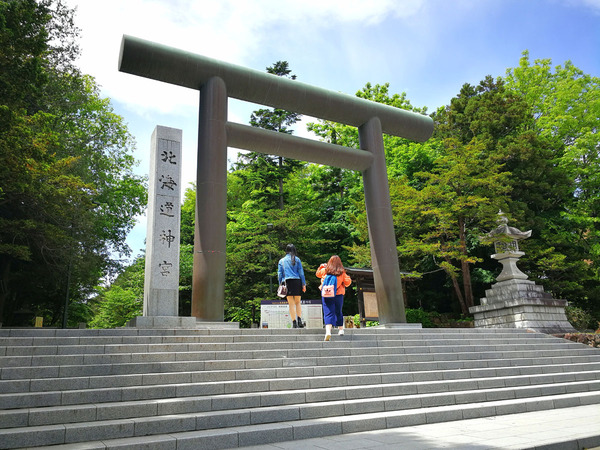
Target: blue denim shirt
{"x": 291, "y": 271}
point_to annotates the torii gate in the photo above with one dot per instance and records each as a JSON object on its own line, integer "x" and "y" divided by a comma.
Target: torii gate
{"x": 218, "y": 80}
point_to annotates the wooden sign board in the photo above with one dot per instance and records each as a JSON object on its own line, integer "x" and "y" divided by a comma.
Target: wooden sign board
{"x": 371, "y": 310}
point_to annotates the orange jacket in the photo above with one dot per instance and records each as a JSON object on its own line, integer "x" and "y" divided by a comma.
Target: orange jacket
{"x": 343, "y": 280}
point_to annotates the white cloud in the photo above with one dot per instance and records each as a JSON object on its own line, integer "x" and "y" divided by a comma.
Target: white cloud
{"x": 594, "y": 5}
{"x": 232, "y": 31}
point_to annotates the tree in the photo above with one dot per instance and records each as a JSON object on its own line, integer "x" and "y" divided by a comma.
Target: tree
{"x": 565, "y": 104}
{"x": 268, "y": 171}
{"x": 123, "y": 300}
{"x": 68, "y": 196}
{"x": 499, "y": 120}
{"x": 402, "y": 158}
{"x": 459, "y": 201}
{"x": 347, "y": 136}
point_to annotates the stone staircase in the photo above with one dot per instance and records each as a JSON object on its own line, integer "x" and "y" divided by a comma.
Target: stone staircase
{"x": 224, "y": 388}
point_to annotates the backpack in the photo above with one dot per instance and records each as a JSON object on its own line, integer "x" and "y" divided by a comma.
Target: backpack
{"x": 329, "y": 286}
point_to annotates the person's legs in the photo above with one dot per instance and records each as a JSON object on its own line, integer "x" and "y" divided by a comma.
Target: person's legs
{"x": 292, "y": 308}
{"x": 298, "y": 307}
{"x": 329, "y": 316}
{"x": 339, "y": 316}
{"x": 299, "y": 311}
{"x": 294, "y": 292}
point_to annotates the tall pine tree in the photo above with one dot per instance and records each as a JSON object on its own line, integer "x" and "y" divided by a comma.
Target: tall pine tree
{"x": 266, "y": 174}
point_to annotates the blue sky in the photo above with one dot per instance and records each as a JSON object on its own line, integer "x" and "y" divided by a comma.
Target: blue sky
{"x": 426, "y": 48}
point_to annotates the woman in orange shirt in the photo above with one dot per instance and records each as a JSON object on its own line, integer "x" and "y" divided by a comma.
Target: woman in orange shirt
{"x": 332, "y": 306}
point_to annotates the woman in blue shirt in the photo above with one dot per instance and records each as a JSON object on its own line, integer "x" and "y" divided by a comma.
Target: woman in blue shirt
{"x": 290, "y": 270}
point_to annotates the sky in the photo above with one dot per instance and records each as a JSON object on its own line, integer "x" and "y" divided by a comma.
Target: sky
{"x": 425, "y": 48}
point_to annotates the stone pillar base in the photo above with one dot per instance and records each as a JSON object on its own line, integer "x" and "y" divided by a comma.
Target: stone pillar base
{"x": 542, "y": 315}
{"x": 399, "y": 325}
{"x": 178, "y": 322}
{"x": 162, "y": 322}
{"x": 214, "y": 325}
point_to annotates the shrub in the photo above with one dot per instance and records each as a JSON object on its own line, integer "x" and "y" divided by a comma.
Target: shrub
{"x": 368, "y": 323}
{"x": 419, "y": 316}
{"x": 579, "y": 318}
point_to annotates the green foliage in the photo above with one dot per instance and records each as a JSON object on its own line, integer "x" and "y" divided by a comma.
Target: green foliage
{"x": 123, "y": 300}
{"x": 243, "y": 314}
{"x": 188, "y": 212}
{"x": 368, "y": 323}
{"x": 404, "y": 159}
{"x": 254, "y": 248}
{"x": 419, "y": 316}
{"x": 564, "y": 208}
{"x": 264, "y": 174}
{"x": 186, "y": 265}
{"x": 458, "y": 199}
{"x": 580, "y": 319}
{"x": 68, "y": 196}
{"x": 117, "y": 308}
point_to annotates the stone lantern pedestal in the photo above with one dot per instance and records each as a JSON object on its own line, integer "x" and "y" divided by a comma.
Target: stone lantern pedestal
{"x": 514, "y": 301}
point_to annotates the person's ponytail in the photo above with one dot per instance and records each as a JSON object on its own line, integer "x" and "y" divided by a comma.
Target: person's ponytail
{"x": 291, "y": 249}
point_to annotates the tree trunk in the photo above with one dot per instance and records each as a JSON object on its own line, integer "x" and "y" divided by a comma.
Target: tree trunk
{"x": 280, "y": 184}
{"x": 459, "y": 295}
{"x": 466, "y": 270}
{"x": 461, "y": 300}
{"x": 4, "y": 278}
{"x": 467, "y": 285}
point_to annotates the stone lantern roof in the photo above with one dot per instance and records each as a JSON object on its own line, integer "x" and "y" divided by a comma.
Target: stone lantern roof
{"x": 504, "y": 229}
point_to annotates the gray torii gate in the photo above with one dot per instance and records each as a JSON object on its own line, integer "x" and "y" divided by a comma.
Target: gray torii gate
{"x": 218, "y": 80}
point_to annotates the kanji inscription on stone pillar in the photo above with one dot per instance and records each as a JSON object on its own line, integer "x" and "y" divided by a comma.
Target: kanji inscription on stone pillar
{"x": 161, "y": 287}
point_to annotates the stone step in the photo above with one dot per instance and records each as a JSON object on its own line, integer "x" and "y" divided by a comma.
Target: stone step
{"x": 254, "y": 426}
{"x": 266, "y": 393}
{"x": 108, "y": 337}
{"x": 283, "y": 366}
{"x": 115, "y": 336}
{"x": 185, "y": 385}
{"x": 278, "y": 376}
{"x": 261, "y": 333}
{"x": 102, "y": 369}
{"x": 409, "y": 353}
{"x": 147, "y": 378}
{"x": 159, "y": 389}
{"x": 92, "y": 347}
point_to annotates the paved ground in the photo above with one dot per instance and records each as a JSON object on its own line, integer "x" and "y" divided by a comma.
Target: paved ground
{"x": 558, "y": 429}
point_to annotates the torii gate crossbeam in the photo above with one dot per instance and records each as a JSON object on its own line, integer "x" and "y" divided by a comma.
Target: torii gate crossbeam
{"x": 216, "y": 81}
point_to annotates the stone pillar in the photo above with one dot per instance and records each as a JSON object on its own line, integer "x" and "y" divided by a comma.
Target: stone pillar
{"x": 208, "y": 283}
{"x": 161, "y": 287}
{"x": 384, "y": 255}
{"x": 161, "y": 283}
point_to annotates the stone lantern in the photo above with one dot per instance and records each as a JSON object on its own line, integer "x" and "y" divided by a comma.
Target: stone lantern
{"x": 506, "y": 244}
{"x": 514, "y": 301}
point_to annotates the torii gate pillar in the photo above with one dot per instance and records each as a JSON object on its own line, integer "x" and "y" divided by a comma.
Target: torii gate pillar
{"x": 208, "y": 283}
{"x": 384, "y": 255}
